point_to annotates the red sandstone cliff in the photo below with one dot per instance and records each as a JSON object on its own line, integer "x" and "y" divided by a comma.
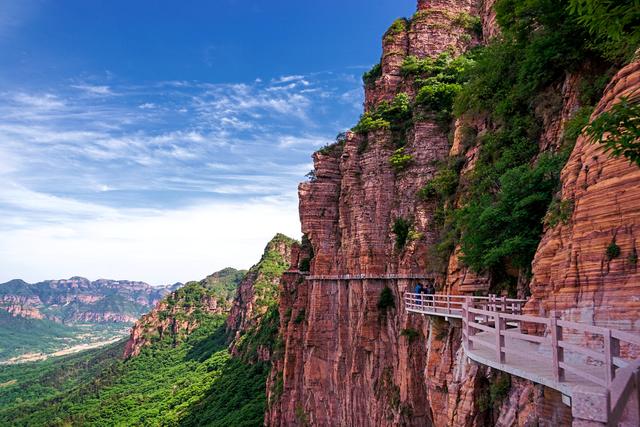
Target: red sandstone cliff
{"x": 572, "y": 272}
{"x": 349, "y": 361}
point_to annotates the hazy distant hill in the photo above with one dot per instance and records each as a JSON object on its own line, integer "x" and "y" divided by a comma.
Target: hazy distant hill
{"x": 80, "y": 300}
{"x": 54, "y": 315}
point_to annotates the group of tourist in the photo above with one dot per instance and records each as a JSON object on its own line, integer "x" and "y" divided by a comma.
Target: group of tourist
{"x": 425, "y": 292}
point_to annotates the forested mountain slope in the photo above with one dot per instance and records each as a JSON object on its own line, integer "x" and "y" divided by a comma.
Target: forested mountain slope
{"x": 175, "y": 369}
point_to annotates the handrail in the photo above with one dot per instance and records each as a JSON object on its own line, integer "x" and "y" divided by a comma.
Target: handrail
{"x": 609, "y": 354}
{"x": 617, "y": 379}
{"x": 501, "y": 318}
{"x": 453, "y": 304}
{"x": 621, "y": 391}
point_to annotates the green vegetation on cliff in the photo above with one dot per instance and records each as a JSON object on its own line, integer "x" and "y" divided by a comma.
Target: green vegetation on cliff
{"x": 506, "y": 198}
{"x": 262, "y": 335}
{"x": 619, "y": 130}
{"x": 194, "y": 383}
{"x": 268, "y": 271}
{"x": 497, "y": 211}
{"x": 183, "y": 376}
{"x": 224, "y": 282}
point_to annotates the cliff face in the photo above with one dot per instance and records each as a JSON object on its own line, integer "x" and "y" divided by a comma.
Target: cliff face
{"x": 257, "y": 297}
{"x": 352, "y": 356}
{"x": 575, "y": 271}
{"x": 184, "y": 310}
{"x": 259, "y": 287}
{"x": 436, "y": 27}
{"x": 348, "y": 360}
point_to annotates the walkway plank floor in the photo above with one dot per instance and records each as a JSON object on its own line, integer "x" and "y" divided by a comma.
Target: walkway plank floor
{"x": 538, "y": 368}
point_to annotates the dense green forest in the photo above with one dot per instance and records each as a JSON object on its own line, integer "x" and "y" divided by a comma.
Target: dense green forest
{"x": 178, "y": 379}
{"x": 194, "y": 383}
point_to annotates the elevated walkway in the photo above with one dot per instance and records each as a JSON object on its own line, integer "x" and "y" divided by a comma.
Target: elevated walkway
{"x": 369, "y": 277}
{"x": 595, "y": 368}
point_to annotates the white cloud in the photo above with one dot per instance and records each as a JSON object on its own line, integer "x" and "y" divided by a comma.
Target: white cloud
{"x": 287, "y": 79}
{"x": 124, "y": 187}
{"x": 41, "y": 102}
{"x": 99, "y": 90}
{"x": 176, "y": 245}
{"x": 308, "y": 142}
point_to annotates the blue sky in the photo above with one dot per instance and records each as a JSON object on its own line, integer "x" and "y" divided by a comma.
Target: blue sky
{"x": 163, "y": 140}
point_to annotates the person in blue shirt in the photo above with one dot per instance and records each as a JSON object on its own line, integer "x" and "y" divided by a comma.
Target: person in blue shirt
{"x": 418, "y": 290}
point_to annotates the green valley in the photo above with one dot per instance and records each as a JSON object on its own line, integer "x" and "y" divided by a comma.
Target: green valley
{"x": 176, "y": 369}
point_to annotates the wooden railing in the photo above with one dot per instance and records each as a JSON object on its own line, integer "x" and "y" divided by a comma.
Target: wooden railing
{"x": 391, "y": 276}
{"x": 621, "y": 393}
{"x": 587, "y": 354}
{"x": 608, "y": 354}
{"x": 597, "y": 345}
{"x": 452, "y": 305}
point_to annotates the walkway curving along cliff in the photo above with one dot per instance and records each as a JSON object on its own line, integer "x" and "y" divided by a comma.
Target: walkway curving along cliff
{"x": 597, "y": 369}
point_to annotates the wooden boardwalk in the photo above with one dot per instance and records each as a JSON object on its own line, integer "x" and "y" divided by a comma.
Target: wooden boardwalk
{"x": 583, "y": 362}
{"x": 389, "y": 276}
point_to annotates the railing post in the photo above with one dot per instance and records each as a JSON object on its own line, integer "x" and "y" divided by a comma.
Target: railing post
{"x": 499, "y": 328}
{"x": 611, "y": 350}
{"x": 504, "y": 304}
{"x": 557, "y": 352}
{"x": 468, "y": 318}
{"x": 448, "y": 304}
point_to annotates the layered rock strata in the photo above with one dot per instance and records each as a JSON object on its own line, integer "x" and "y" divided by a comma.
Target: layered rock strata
{"x": 574, "y": 273}
{"x": 353, "y": 356}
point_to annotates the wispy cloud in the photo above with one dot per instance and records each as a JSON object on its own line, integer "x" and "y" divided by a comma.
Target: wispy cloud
{"x": 98, "y": 90}
{"x": 45, "y": 101}
{"x": 153, "y": 173}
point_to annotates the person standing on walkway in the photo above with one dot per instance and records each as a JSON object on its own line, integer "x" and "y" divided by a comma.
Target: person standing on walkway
{"x": 430, "y": 291}
{"x": 418, "y": 290}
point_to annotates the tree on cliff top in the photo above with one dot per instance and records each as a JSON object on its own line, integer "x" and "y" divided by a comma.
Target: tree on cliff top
{"x": 614, "y": 23}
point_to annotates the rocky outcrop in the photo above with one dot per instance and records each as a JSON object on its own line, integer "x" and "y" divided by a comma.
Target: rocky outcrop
{"x": 173, "y": 318}
{"x": 351, "y": 357}
{"x": 258, "y": 293}
{"x": 574, "y": 273}
{"x": 437, "y": 26}
{"x": 252, "y": 297}
{"x": 183, "y": 310}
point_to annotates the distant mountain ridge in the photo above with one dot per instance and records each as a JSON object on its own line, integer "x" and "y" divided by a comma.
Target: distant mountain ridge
{"x": 42, "y": 319}
{"x": 79, "y": 300}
